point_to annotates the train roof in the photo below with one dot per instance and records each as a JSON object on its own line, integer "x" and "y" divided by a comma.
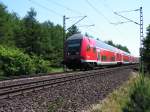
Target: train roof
{"x": 109, "y": 47}
{"x": 103, "y": 45}
{"x": 99, "y": 43}
{"x": 75, "y": 36}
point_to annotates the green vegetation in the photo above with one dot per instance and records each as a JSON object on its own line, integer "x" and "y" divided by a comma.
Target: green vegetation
{"x": 28, "y": 46}
{"x": 146, "y": 50}
{"x": 72, "y": 30}
{"x": 118, "y": 99}
{"x": 56, "y": 69}
{"x": 14, "y": 62}
{"x": 124, "y": 48}
{"x": 133, "y": 96}
{"x": 140, "y": 96}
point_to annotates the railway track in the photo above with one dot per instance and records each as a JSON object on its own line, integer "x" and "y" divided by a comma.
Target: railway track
{"x": 10, "y": 88}
{"x": 55, "y": 73}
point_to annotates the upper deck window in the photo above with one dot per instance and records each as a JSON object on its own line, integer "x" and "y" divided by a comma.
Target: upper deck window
{"x": 88, "y": 48}
{"x": 75, "y": 41}
{"x": 94, "y": 49}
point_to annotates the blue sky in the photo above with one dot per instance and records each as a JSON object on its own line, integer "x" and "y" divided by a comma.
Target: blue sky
{"x": 126, "y": 34}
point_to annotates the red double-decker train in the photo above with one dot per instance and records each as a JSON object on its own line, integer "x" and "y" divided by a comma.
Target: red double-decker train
{"x": 82, "y": 52}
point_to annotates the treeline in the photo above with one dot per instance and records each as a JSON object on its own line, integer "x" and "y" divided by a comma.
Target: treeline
{"x": 33, "y": 41}
{"x": 39, "y": 45}
{"x": 31, "y": 36}
{"x": 124, "y": 48}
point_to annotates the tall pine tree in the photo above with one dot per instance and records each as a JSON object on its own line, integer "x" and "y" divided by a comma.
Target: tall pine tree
{"x": 7, "y": 26}
{"x": 72, "y": 30}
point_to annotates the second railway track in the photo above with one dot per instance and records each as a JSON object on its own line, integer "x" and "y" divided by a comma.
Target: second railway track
{"x": 14, "y": 87}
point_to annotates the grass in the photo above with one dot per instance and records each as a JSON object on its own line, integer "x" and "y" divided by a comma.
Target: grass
{"x": 118, "y": 99}
{"x": 51, "y": 70}
{"x": 56, "y": 69}
{"x": 140, "y": 96}
{"x": 3, "y": 78}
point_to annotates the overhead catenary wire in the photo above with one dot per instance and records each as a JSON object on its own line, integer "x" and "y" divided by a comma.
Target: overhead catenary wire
{"x": 97, "y": 11}
{"x": 126, "y": 11}
{"x": 126, "y": 18}
{"x": 120, "y": 22}
{"x": 123, "y": 12}
{"x": 86, "y": 25}
{"x": 117, "y": 13}
{"x": 100, "y": 13}
{"x": 107, "y": 6}
{"x": 65, "y": 7}
{"x": 54, "y": 12}
{"x": 77, "y": 21}
{"x": 97, "y": 29}
{"x": 112, "y": 10}
{"x": 46, "y": 8}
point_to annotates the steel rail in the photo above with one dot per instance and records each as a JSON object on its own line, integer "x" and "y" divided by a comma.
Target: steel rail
{"x": 10, "y": 90}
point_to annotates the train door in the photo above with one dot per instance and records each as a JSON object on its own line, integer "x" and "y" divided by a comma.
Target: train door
{"x": 98, "y": 57}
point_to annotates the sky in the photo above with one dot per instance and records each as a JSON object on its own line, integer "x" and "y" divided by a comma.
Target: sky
{"x": 98, "y": 12}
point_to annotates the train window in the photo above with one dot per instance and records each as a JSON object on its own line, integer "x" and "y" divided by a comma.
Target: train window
{"x": 104, "y": 58}
{"x": 75, "y": 41}
{"x": 94, "y": 49}
{"x": 113, "y": 58}
{"x": 88, "y": 48}
{"x": 99, "y": 56}
{"x": 73, "y": 46}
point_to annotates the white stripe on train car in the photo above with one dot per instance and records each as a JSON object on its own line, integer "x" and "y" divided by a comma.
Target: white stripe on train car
{"x": 126, "y": 62}
{"x": 88, "y": 60}
{"x": 108, "y": 63}
{"x": 99, "y": 62}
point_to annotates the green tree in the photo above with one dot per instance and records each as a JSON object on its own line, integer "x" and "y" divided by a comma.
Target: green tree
{"x": 110, "y": 42}
{"x": 31, "y": 33}
{"x": 72, "y": 30}
{"x": 146, "y": 49}
{"x": 7, "y": 26}
{"x": 124, "y": 48}
{"x": 13, "y": 61}
{"x": 55, "y": 37}
{"x": 35, "y": 38}
{"x": 31, "y": 36}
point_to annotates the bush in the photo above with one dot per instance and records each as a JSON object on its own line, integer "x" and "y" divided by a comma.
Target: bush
{"x": 41, "y": 65}
{"x": 15, "y": 62}
{"x": 140, "y": 97}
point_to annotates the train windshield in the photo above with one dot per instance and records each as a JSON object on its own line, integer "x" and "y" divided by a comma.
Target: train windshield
{"x": 73, "y": 46}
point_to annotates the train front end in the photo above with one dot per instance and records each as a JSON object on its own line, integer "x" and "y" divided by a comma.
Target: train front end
{"x": 72, "y": 51}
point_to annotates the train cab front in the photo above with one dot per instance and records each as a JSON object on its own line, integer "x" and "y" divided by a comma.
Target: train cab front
{"x": 72, "y": 57}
